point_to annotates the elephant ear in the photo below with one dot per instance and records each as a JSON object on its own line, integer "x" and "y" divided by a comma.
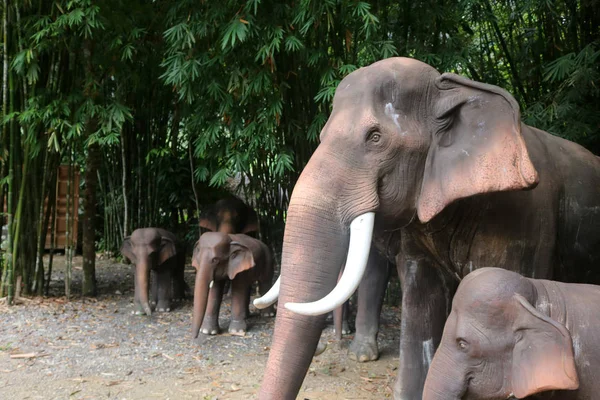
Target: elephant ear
{"x": 543, "y": 355}
{"x": 477, "y": 146}
{"x": 251, "y": 222}
{"x": 240, "y": 259}
{"x": 127, "y": 250}
{"x": 208, "y": 222}
{"x": 167, "y": 250}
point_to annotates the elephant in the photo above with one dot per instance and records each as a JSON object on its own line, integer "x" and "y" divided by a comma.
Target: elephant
{"x": 371, "y": 293}
{"x": 156, "y": 250}
{"x": 508, "y": 335}
{"x": 230, "y": 215}
{"x": 438, "y": 171}
{"x": 218, "y": 257}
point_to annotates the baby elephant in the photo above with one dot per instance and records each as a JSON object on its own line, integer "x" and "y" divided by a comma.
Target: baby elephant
{"x": 512, "y": 337}
{"x": 156, "y": 250}
{"x": 221, "y": 256}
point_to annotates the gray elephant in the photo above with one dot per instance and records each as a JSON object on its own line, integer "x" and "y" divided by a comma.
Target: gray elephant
{"x": 439, "y": 172}
{"x": 229, "y": 215}
{"x": 219, "y": 257}
{"x": 156, "y": 251}
{"x": 513, "y": 336}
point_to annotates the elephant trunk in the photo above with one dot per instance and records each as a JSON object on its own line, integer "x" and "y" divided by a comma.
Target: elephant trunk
{"x": 314, "y": 248}
{"x": 445, "y": 380}
{"x": 142, "y": 272}
{"x": 201, "y": 290}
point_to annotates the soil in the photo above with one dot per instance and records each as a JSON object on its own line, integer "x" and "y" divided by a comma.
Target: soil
{"x": 51, "y": 348}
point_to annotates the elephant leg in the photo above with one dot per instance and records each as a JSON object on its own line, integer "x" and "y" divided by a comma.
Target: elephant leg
{"x": 371, "y": 293}
{"x": 240, "y": 296}
{"x": 263, "y": 288}
{"x": 179, "y": 286}
{"x": 426, "y": 298}
{"x": 345, "y": 316}
{"x": 163, "y": 278}
{"x": 153, "y": 289}
{"x": 210, "y": 324}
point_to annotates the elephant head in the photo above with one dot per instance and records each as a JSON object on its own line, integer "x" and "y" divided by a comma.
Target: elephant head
{"x": 496, "y": 344}
{"x": 402, "y": 143}
{"x": 147, "y": 248}
{"x": 229, "y": 215}
{"x": 218, "y": 256}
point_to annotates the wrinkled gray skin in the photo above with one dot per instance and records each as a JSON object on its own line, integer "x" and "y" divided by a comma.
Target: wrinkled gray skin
{"x": 445, "y": 163}
{"x": 155, "y": 250}
{"x": 510, "y": 335}
{"x": 219, "y": 257}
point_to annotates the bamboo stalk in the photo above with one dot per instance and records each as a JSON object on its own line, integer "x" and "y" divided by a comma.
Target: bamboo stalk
{"x": 52, "y": 235}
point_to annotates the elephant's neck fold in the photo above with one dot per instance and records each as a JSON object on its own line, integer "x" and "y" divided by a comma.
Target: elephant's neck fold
{"x": 551, "y": 300}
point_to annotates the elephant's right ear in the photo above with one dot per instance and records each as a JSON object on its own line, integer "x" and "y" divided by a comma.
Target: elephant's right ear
{"x": 542, "y": 358}
{"x": 127, "y": 250}
{"x": 252, "y": 222}
{"x": 476, "y": 147}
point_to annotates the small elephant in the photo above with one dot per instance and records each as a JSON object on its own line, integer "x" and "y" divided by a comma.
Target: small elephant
{"x": 509, "y": 336}
{"x": 156, "y": 250}
{"x": 218, "y": 257}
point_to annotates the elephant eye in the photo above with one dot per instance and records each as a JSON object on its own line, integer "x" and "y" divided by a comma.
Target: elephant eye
{"x": 215, "y": 260}
{"x": 462, "y": 344}
{"x": 374, "y": 137}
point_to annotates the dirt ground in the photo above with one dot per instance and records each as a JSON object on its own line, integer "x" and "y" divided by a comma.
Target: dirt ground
{"x": 51, "y": 348}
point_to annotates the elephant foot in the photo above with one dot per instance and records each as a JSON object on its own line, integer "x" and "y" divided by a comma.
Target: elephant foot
{"x": 237, "y": 328}
{"x": 268, "y": 312}
{"x": 210, "y": 326}
{"x": 345, "y": 328}
{"x": 163, "y": 306}
{"x": 321, "y": 347}
{"x": 141, "y": 310}
{"x": 363, "y": 349}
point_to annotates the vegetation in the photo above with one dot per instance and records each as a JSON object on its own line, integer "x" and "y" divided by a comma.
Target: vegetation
{"x": 161, "y": 104}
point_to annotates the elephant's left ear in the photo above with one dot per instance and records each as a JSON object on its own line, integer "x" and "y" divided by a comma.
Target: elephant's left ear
{"x": 240, "y": 259}
{"x": 127, "y": 250}
{"x": 542, "y": 358}
{"x": 168, "y": 249}
{"x": 477, "y": 146}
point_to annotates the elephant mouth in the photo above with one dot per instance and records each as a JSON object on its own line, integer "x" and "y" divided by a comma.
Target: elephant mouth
{"x": 361, "y": 234}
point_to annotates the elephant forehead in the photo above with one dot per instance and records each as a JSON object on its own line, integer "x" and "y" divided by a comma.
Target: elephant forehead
{"x": 145, "y": 235}
{"x": 210, "y": 239}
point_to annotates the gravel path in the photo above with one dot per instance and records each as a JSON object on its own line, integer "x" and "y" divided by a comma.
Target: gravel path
{"x": 95, "y": 349}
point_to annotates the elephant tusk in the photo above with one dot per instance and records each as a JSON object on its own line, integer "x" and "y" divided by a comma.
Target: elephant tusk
{"x": 270, "y": 297}
{"x": 210, "y": 285}
{"x": 361, "y": 233}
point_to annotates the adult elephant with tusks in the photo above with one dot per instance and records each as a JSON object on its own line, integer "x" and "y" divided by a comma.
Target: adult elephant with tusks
{"x": 446, "y": 162}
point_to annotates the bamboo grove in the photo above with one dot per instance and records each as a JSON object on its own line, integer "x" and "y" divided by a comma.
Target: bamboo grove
{"x": 161, "y": 105}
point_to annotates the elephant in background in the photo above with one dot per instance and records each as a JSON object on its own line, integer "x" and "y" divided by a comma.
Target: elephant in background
{"x": 219, "y": 257}
{"x": 230, "y": 215}
{"x": 155, "y": 250}
{"x": 512, "y": 336}
{"x": 445, "y": 163}
{"x": 371, "y": 294}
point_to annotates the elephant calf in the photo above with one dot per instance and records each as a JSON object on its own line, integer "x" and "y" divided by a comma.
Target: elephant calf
{"x": 510, "y": 336}
{"x": 220, "y": 256}
{"x": 156, "y": 250}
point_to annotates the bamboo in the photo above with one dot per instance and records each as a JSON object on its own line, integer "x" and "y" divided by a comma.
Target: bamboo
{"x": 68, "y": 231}
{"x": 52, "y": 237}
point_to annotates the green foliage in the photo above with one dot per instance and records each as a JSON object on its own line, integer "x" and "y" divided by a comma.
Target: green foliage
{"x": 249, "y": 86}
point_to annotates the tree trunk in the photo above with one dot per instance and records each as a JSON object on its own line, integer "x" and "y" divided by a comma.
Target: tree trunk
{"x": 89, "y": 217}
